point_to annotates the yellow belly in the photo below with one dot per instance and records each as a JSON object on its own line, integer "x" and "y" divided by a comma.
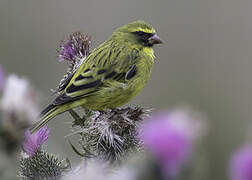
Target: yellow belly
{"x": 114, "y": 96}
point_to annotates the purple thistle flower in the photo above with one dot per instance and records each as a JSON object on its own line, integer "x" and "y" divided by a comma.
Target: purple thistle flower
{"x": 75, "y": 47}
{"x": 74, "y": 50}
{"x": 67, "y": 51}
{"x": 34, "y": 141}
{"x": 169, "y": 138}
{"x": 241, "y": 164}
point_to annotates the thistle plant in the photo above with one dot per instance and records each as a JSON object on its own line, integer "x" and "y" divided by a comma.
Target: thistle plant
{"x": 41, "y": 166}
{"x": 109, "y": 135}
{"x": 36, "y": 164}
{"x": 19, "y": 109}
{"x": 74, "y": 49}
{"x": 163, "y": 146}
{"x": 240, "y": 167}
{"x": 33, "y": 142}
{"x": 170, "y": 138}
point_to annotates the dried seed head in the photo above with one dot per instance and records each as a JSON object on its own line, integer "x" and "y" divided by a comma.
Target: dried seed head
{"x": 112, "y": 134}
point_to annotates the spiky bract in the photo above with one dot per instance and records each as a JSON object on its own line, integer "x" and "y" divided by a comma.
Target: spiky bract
{"x": 112, "y": 134}
{"x": 41, "y": 166}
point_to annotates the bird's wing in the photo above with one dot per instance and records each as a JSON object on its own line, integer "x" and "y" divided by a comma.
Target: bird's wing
{"x": 104, "y": 64}
{"x": 63, "y": 84}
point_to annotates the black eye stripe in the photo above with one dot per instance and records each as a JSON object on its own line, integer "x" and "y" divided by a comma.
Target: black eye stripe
{"x": 143, "y": 35}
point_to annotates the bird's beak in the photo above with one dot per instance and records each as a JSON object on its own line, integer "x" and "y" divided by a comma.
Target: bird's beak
{"x": 155, "y": 39}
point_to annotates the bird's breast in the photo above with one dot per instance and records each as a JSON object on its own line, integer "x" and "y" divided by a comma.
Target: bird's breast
{"x": 142, "y": 70}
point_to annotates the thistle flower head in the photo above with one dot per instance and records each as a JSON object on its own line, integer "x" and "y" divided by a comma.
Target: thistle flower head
{"x": 67, "y": 51}
{"x": 42, "y": 166}
{"x": 75, "y": 47}
{"x": 34, "y": 141}
{"x": 74, "y": 50}
{"x": 112, "y": 134}
{"x": 169, "y": 138}
{"x": 241, "y": 164}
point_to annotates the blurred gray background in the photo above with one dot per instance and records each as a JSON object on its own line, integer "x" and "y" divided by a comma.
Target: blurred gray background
{"x": 205, "y": 62}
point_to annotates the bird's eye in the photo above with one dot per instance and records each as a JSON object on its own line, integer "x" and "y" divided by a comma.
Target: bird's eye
{"x": 140, "y": 33}
{"x": 143, "y": 35}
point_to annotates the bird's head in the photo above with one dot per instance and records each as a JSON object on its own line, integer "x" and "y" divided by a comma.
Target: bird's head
{"x": 138, "y": 32}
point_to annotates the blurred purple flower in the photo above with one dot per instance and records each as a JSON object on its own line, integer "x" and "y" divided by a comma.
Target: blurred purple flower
{"x": 34, "y": 141}
{"x": 1, "y": 77}
{"x": 241, "y": 164}
{"x": 169, "y": 138}
{"x": 75, "y": 47}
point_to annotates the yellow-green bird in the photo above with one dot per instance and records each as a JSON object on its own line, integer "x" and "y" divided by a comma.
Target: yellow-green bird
{"x": 111, "y": 75}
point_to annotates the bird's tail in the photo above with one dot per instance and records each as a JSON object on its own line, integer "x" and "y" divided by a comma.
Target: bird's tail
{"x": 52, "y": 110}
{"x": 45, "y": 116}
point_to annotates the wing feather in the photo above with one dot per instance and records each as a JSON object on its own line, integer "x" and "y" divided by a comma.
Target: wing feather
{"x": 107, "y": 63}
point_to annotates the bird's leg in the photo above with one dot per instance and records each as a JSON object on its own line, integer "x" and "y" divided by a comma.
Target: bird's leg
{"x": 87, "y": 113}
{"x": 78, "y": 121}
{"x": 84, "y": 109}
